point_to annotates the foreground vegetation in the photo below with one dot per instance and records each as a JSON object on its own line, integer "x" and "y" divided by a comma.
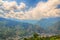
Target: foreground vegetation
{"x": 37, "y": 37}
{"x": 34, "y": 37}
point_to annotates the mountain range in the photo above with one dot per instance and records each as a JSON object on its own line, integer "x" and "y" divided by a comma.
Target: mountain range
{"x": 23, "y": 28}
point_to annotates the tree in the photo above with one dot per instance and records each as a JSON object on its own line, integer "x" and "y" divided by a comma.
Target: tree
{"x": 25, "y": 39}
{"x": 35, "y": 35}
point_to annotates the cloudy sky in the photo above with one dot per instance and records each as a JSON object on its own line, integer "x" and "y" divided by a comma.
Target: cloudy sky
{"x": 29, "y": 9}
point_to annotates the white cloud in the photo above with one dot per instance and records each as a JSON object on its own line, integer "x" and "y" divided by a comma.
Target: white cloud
{"x": 9, "y": 5}
{"x": 0, "y": 0}
{"x": 42, "y": 10}
{"x": 21, "y": 6}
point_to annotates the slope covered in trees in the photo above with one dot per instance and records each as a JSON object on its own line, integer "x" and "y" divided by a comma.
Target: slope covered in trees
{"x": 13, "y": 29}
{"x": 37, "y": 37}
{"x": 55, "y": 28}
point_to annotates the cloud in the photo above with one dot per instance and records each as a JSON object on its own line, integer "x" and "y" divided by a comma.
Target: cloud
{"x": 42, "y": 10}
{"x": 13, "y": 5}
{"x": 9, "y": 5}
{"x": 0, "y": 0}
{"x": 7, "y": 8}
{"x": 21, "y": 6}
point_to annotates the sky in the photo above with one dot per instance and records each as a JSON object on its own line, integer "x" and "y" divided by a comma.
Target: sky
{"x": 29, "y": 9}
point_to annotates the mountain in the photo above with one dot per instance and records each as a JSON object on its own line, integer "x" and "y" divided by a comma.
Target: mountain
{"x": 51, "y": 25}
{"x": 24, "y": 28}
{"x": 47, "y": 22}
{"x": 55, "y": 28}
{"x": 19, "y": 28}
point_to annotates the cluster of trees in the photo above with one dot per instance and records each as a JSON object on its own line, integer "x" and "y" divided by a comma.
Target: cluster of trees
{"x": 37, "y": 37}
{"x": 11, "y": 33}
{"x": 13, "y": 36}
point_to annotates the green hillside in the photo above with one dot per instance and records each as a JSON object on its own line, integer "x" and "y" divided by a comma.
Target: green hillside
{"x": 37, "y": 37}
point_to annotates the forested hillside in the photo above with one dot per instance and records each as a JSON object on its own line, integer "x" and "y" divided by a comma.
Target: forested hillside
{"x": 12, "y": 29}
{"x": 38, "y": 37}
